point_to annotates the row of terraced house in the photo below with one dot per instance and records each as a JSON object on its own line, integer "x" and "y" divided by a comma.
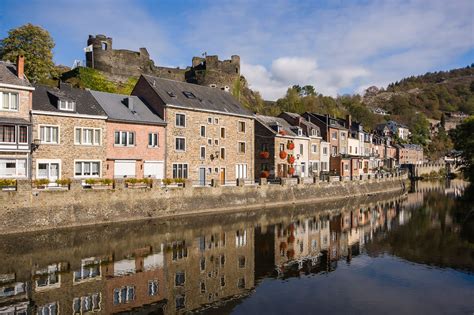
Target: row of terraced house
{"x": 170, "y": 129}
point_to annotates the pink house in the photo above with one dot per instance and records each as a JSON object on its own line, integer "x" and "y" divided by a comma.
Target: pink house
{"x": 135, "y": 137}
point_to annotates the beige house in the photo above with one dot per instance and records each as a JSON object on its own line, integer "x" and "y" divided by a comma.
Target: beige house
{"x": 209, "y": 134}
{"x": 71, "y": 129}
{"x": 15, "y": 125}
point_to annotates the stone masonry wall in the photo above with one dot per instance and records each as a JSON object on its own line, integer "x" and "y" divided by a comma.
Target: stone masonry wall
{"x": 194, "y": 121}
{"x": 24, "y": 209}
{"x": 66, "y": 150}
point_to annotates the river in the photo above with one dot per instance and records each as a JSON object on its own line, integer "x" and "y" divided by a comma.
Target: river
{"x": 390, "y": 254}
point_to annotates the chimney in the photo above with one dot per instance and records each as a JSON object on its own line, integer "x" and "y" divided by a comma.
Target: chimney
{"x": 20, "y": 66}
{"x": 348, "y": 121}
{"x": 129, "y": 101}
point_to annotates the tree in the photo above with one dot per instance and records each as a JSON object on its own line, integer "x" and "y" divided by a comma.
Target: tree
{"x": 36, "y": 45}
{"x": 464, "y": 142}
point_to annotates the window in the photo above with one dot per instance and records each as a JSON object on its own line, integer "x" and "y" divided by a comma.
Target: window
{"x": 88, "y": 136}
{"x": 222, "y": 260}
{"x": 203, "y": 131}
{"x": 202, "y": 263}
{"x": 334, "y": 135}
{"x": 240, "y": 238}
{"x": 180, "y": 144}
{"x": 180, "y": 170}
{"x": 66, "y": 105}
{"x": 264, "y": 147}
{"x": 241, "y": 283}
{"x": 202, "y": 155}
{"x": 343, "y": 150}
{"x": 203, "y": 287}
{"x": 124, "y": 294}
{"x": 180, "y": 120}
{"x": 153, "y": 140}
{"x": 242, "y": 262}
{"x": 90, "y": 268}
{"x": 301, "y": 149}
{"x": 85, "y": 304}
{"x": 314, "y": 132}
{"x": 209, "y": 120}
{"x": 314, "y": 148}
{"x": 350, "y": 149}
{"x": 9, "y": 101}
{"x": 87, "y": 169}
{"x": 49, "y": 134}
{"x": 23, "y": 137}
{"x": 12, "y": 168}
{"x": 7, "y": 134}
{"x": 300, "y": 132}
{"x": 222, "y": 281}
{"x": 48, "y": 309}
{"x": 346, "y": 166}
{"x": 216, "y": 121}
{"x": 241, "y": 126}
{"x": 222, "y": 132}
{"x": 241, "y": 147}
{"x": 334, "y": 150}
{"x": 223, "y": 153}
{"x": 209, "y": 141}
{"x": 343, "y": 136}
{"x": 180, "y": 301}
{"x": 324, "y": 166}
{"x": 241, "y": 170}
{"x": 189, "y": 94}
{"x": 355, "y": 150}
{"x": 152, "y": 287}
{"x": 282, "y": 147}
{"x": 325, "y": 151}
{"x": 179, "y": 279}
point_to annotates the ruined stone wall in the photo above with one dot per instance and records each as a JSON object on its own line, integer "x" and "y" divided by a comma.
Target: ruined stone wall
{"x": 120, "y": 64}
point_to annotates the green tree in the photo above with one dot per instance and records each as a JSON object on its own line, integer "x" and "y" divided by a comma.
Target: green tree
{"x": 36, "y": 45}
{"x": 464, "y": 142}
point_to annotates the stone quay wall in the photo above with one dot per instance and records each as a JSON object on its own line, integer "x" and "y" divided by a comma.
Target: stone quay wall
{"x": 28, "y": 209}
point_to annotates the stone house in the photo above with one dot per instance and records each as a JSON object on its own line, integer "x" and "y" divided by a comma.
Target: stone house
{"x": 313, "y": 132}
{"x": 135, "y": 137}
{"x": 410, "y": 154}
{"x": 275, "y": 147}
{"x": 398, "y": 129}
{"x": 71, "y": 128}
{"x": 15, "y": 123}
{"x": 209, "y": 135}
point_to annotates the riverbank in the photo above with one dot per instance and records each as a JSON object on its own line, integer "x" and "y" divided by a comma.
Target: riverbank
{"x": 25, "y": 210}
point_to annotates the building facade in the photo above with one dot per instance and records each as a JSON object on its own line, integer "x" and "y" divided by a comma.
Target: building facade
{"x": 209, "y": 135}
{"x": 15, "y": 123}
{"x": 71, "y": 128}
{"x": 135, "y": 137}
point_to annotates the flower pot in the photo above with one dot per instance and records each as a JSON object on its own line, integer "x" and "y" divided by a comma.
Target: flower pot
{"x": 264, "y": 155}
{"x": 264, "y": 174}
{"x": 283, "y": 155}
{"x": 290, "y": 145}
{"x": 291, "y": 170}
{"x": 291, "y": 159}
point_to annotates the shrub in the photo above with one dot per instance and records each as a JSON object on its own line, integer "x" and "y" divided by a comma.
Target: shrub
{"x": 167, "y": 181}
{"x": 91, "y": 181}
{"x": 179, "y": 180}
{"x": 64, "y": 182}
{"x": 7, "y": 182}
{"x": 147, "y": 181}
{"x": 106, "y": 181}
{"x": 41, "y": 182}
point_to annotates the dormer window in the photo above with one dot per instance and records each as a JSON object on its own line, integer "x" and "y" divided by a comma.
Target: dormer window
{"x": 300, "y": 132}
{"x": 313, "y": 132}
{"x": 66, "y": 105}
{"x": 189, "y": 94}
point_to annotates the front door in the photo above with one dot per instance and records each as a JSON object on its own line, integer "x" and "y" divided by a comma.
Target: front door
{"x": 49, "y": 171}
{"x": 282, "y": 170}
{"x": 202, "y": 176}
{"x": 222, "y": 176}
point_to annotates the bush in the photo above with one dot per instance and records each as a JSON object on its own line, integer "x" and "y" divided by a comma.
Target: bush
{"x": 41, "y": 182}
{"x": 64, "y": 182}
{"x": 179, "y": 180}
{"x": 167, "y": 181}
{"x": 7, "y": 182}
{"x": 107, "y": 181}
{"x": 147, "y": 181}
{"x": 91, "y": 181}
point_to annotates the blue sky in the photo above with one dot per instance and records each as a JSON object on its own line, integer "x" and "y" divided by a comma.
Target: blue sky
{"x": 337, "y": 46}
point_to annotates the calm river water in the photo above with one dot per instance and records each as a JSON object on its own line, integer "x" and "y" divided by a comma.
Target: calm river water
{"x": 411, "y": 254}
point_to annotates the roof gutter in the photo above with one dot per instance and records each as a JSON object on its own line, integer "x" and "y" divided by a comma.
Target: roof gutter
{"x": 18, "y": 87}
{"x": 209, "y": 111}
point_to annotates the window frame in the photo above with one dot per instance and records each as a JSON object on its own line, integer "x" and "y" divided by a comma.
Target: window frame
{"x": 40, "y": 133}
{"x": 182, "y": 170}
{"x": 9, "y": 109}
{"x": 83, "y": 162}
{"x": 93, "y": 142}
{"x": 176, "y": 144}
{"x": 238, "y": 147}
{"x": 155, "y": 139}
{"x": 239, "y": 125}
{"x": 201, "y": 156}
{"x": 176, "y": 120}
{"x": 73, "y": 107}
{"x": 201, "y": 128}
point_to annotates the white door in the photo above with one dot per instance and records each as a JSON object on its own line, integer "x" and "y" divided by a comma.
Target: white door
{"x": 124, "y": 168}
{"x": 153, "y": 169}
{"x": 48, "y": 170}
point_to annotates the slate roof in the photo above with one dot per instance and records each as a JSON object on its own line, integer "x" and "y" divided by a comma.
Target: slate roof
{"x": 309, "y": 125}
{"x": 206, "y": 98}
{"x": 8, "y": 75}
{"x": 322, "y": 118}
{"x": 45, "y": 98}
{"x": 271, "y": 121}
{"x": 115, "y": 105}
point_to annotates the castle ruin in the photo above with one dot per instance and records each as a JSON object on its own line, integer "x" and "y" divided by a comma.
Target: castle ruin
{"x": 121, "y": 64}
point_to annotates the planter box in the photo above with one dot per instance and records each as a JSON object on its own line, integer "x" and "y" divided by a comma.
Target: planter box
{"x": 99, "y": 186}
{"x": 8, "y": 188}
{"x": 137, "y": 185}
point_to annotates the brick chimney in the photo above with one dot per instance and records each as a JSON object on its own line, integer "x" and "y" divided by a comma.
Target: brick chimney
{"x": 349, "y": 121}
{"x": 20, "y": 66}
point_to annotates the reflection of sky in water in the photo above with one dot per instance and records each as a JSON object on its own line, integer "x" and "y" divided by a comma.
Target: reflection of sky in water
{"x": 382, "y": 285}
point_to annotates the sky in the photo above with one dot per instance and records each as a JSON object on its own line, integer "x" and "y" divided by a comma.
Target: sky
{"x": 337, "y": 46}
